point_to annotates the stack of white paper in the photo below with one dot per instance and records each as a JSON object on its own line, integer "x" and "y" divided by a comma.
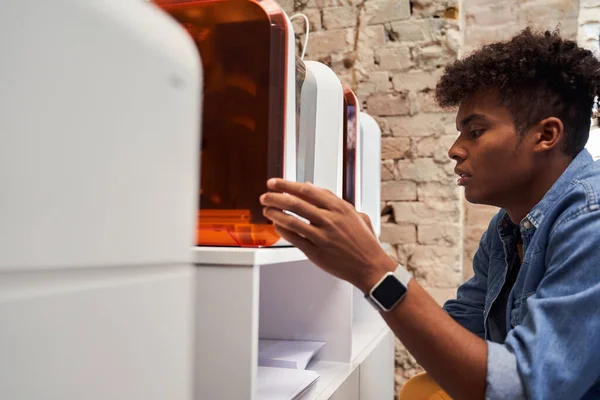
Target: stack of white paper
{"x": 283, "y": 383}
{"x": 286, "y": 353}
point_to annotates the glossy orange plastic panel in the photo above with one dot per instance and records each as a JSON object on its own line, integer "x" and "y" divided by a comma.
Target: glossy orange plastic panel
{"x": 242, "y": 44}
{"x": 349, "y": 183}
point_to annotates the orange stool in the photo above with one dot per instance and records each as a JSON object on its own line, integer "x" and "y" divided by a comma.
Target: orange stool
{"x": 422, "y": 387}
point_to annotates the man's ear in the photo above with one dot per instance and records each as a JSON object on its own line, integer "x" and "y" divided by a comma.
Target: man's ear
{"x": 549, "y": 134}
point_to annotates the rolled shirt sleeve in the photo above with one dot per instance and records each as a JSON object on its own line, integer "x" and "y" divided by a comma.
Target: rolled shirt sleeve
{"x": 503, "y": 380}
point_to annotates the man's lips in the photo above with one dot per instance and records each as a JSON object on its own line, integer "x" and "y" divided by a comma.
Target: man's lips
{"x": 463, "y": 177}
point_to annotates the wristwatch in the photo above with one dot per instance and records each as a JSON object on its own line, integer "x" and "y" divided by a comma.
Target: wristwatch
{"x": 390, "y": 290}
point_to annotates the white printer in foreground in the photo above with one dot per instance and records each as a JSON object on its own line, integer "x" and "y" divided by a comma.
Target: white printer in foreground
{"x": 99, "y": 121}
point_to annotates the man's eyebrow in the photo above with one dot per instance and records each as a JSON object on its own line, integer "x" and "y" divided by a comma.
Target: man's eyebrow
{"x": 470, "y": 118}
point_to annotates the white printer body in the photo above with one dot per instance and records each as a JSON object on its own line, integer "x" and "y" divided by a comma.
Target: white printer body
{"x": 100, "y": 126}
{"x": 370, "y": 147}
{"x": 320, "y": 149}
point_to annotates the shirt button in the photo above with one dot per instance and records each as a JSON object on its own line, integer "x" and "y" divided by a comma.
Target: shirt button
{"x": 527, "y": 225}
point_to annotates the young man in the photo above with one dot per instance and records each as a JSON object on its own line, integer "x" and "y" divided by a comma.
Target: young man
{"x": 525, "y": 326}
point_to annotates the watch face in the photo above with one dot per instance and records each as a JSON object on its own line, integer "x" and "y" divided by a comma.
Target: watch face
{"x": 389, "y": 291}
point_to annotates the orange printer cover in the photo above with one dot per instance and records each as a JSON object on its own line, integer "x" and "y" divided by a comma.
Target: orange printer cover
{"x": 243, "y": 46}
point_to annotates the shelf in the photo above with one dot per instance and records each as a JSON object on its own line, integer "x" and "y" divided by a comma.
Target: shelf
{"x": 366, "y": 336}
{"x": 245, "y": 256}
{"x": 331, "y": 376}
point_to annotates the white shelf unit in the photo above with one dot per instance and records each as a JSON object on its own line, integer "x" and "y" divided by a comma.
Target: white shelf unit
{"x": 277, "y": 293}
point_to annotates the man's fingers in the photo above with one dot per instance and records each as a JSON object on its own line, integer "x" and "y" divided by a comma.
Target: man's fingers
{"x": 315, "y": 195}
{"x": 291, "y": 223}
{"x": 294, "y": 204}
{"x": 367, "y": 221}
{"x": 296, "y": 240}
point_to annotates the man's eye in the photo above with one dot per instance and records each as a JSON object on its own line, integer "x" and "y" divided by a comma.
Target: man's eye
{"x": 476, "y": 133}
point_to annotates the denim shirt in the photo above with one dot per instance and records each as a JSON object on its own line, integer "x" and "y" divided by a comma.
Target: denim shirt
{"x": 552, "y": 350}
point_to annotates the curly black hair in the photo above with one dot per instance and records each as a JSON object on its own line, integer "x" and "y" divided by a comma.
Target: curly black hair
{"x": 538, "y": 75}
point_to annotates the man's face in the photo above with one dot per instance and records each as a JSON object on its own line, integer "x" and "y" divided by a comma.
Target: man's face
{"x": 493, "y": 163}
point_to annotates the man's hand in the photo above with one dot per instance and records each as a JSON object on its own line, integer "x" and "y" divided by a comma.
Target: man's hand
{"x": 367, "y": 220}
{"x": 338, "y": 239}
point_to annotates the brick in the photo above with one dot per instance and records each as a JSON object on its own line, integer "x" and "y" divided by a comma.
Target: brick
{"x": 325, "y": 3}
{"x": 436, "y": 266}
{"x": 414, "y": 103}
{"x": 314, "y": 19}
{"x": 589, "y": 17}
{"x": 388, "y": 170}
{"x": 381, "y": 79}
{"x": 434, "y": 56}
{"x": 413, "y": 31}
{"x": 398, "y": 234}
{"x": 434, "y": 8}
{"x": 472, "y": 236}
{"x": 436, "y": 147}
{"x": 406, "y": 365}
{"x": 287, "y": 6}
{"x": 439, "y": 234}
{"x": 416, "y": 81}
{"x": 388, "y": 248}
{"x": 383, "y": 124}
{"x": 468, "y": 271}
{"x": 325, "y": 42}
{"x": 371, "y": 37}
{"x": 394, "y": 147}
{"x": 376, "y": 82}
{"x": 438, "y": 191}
{"x": 427, "y": 102}
{"x": 490, "y": 14}
{"x": 548, "y": 10}
{"x": 589, "y": 3}
{"x": 476, "y": 221}
{"x": 454, "y": 40}
{"x": 398, "y": 191}
{"x": 382, "y": 104}
{"x": 382, "y": 11}
{"x": 430, "y": 212}
{"x": 420, "y": 125}
{"x": 479, "y": 215}
{"x": 404, "y": 252}
{"x": 478, "y": 36}
{"x": 423, "y": 170}
{"x": 338, "y": 65}
{"x": 365, "y": 58}
{"x": 339, "y": 17}
{"x": 346, "y": 78}
{"x": 448, "y": 166}
{"x": 394, "y": 58}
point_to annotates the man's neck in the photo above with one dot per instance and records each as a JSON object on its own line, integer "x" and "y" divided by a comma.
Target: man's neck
{"x": 537, "y": 188}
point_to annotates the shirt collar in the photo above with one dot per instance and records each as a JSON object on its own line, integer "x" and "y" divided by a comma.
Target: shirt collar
{"x": 537, "y": 213}
{"x": 506, "y": 227}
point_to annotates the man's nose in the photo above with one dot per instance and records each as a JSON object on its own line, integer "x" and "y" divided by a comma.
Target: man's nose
{"x": 457, "y": 152}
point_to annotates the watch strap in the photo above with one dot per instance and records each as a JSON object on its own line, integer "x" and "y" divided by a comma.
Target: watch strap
{"x": 403, "y": 275}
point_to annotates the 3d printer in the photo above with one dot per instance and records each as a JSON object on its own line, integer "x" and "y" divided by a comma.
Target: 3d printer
{"x": 249, "y": 133}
